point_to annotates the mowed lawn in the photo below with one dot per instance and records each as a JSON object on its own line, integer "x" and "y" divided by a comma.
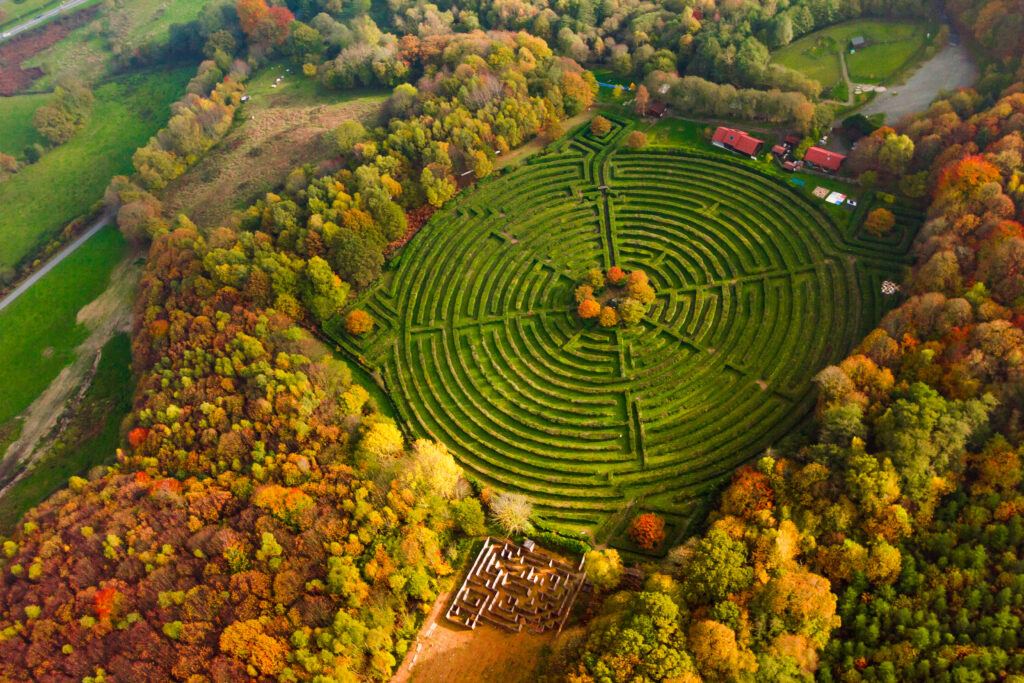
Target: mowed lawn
{"x": 44, "y": 197}
{"x": 38, "y": 332}
{"x": 892, "y": 43}
{"x": 16, "y": 129}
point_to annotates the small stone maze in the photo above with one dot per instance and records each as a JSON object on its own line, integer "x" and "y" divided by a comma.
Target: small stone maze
{"x": 515, "y": 587}
{"x": 758, "y": 289}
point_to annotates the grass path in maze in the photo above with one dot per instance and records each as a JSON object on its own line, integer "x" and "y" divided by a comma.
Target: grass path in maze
{"x": 757, "y": 290}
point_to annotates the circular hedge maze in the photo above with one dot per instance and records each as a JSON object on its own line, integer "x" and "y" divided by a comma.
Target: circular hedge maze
{"x": 481, "y": 348}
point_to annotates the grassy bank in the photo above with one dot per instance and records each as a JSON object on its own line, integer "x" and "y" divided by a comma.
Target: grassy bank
{"x": 91, "y": 438}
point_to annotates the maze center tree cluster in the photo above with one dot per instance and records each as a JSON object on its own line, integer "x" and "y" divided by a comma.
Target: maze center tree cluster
{"x": 756, "y": 290}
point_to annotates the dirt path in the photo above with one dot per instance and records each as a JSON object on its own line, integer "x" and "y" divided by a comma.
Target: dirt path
{"x": 950, "y": 69}
{"x": 539, "y": 142}
{"x": 446, "y": 653}
{"x": 104, "y": 317}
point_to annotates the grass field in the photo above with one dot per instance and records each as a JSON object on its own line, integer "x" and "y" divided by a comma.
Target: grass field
{"x": 38, "y": 332}
{"x": 44, "y": 197}
{"x": 16, "y": 130}
{"x": 757, "y": 290}
{"x": 815, "y": 55}
{"x": 90, "y": 439}
{"x": 892, "y": 44}
{"x": 86, "y": 50}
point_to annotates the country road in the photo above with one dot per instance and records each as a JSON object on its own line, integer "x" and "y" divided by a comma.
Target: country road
{"x": 60, "y": 256}
{"x": 40, "y": 18}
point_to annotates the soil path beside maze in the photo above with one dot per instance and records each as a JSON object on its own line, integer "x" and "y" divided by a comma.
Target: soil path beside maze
{"x": 446, "y": 653}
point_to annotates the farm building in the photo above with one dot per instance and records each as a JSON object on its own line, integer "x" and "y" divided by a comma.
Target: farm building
{"x": 780, "y": 150}
{"x": 736, "y": 141}
{"x": 823, "y": 160}
{"x": 858, "y": 42}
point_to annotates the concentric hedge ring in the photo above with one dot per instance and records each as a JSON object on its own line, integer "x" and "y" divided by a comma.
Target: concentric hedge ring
{"x": 756, "y": 292}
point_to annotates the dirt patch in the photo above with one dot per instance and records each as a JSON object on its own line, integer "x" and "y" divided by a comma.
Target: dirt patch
{"x": 446, "y": 653}
{"x": 257, "y": 156}
{"x": 48, "y": 352}
{"x": 13, "y": 52}
{"x": 761, "y": 383}
{"x": 108, "y": 314}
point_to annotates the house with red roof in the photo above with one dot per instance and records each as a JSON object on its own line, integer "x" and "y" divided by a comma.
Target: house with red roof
{"x": 823, "y": 160}
{"x": 736, "y": 141}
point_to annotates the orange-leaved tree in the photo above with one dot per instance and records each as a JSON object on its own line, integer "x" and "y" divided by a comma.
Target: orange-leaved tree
{"x": 647, "y": 530}
{"x": 589, "y": 309}
{"x": 358, "y": 322}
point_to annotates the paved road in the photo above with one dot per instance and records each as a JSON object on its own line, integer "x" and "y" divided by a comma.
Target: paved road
{"x": 41, "y": 18}
{"x": 950, "y": 69}
{"x": 49, "y": 265}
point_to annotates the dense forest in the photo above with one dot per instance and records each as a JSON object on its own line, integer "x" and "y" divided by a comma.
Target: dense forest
{"x": 267, "y": 520}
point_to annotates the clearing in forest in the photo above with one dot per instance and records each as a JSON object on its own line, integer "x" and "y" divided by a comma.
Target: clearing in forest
{"x": 889, "y": 46}
{"x": 757, "y": 289}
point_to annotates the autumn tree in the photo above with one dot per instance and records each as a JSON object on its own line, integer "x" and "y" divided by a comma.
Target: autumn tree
{"x": 600, "y": 126}
{"x": 589, "y": 308}
{"x": 264, "y": 26}
{"x": 636, "y": 139}
{"x": 879, "y": 222}
{"x": 608, "y": 317}
{"x": 643, "y": 98}
{"x": 631, "y": 311}
{"x": 604, "y": 568}
{"x": 647, "y": 530}
{"x": 358, "y": 322}
{"x": 433, "y": 470}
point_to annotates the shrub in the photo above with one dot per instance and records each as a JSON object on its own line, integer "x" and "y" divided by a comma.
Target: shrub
{"x": 637, "y": 139}
{"x": 358, "y": 322}
{"x": 608, "y": 317}
{"x": 647, "y": 531}
{"x": 559, "y": 543}
{"x": 600, "y": 126}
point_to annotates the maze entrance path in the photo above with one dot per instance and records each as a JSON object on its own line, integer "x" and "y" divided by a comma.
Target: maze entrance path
{"x": 757, "y": 290}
